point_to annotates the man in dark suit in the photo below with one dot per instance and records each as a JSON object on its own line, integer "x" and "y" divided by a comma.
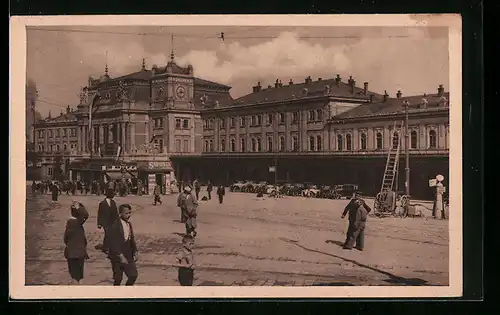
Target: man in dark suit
{"x": 107, "y": 215}
{"x": 122, "y": 248}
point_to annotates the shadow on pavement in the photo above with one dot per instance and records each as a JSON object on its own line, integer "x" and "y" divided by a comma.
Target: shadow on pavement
{"x": 392, "y": 278}
{"x": 330, "y": 284}
{"x": 179, "y": 234}
{"x": 341, "y": 244}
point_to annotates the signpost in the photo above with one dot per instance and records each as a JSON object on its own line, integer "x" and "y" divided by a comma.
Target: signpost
{"x": 151, "y": 183}
{"x": 168, "y": 191}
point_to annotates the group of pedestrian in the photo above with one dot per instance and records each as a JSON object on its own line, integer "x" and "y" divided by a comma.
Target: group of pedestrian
{"x": 119, "y": 241}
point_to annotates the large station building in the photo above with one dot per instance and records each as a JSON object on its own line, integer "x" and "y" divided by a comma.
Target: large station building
{"x": 164, "y": 123}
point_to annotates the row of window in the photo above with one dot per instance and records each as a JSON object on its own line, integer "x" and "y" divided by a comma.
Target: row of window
{"x": 66, "y": 132}
{"x": 56, "y": 147}
{"x": 257, "y": 120}
{"x": 182, "y": 146}
{"x": 180, "y": 123}
{"x": 315, "y": 142}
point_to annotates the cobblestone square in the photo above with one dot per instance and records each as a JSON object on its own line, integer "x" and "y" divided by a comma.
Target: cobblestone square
{"x": 246, "y": 241}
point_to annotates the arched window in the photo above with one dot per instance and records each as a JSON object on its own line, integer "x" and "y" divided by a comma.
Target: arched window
{"x": 269, "y": 144}
{"x": 282, "y": 143}
{"x": 243, "y": 145}
{"x": 379, "y": 140}
{"x": 282, "y": 118}
{"x": 254, "y": 145}
{"x": 339, "y": 143}
{"x": 58, "y": 148}
{"x": 395, "y": 140}
{"x": 259, "y": 145}
{"x": 319, "y": 115}
{"x": 348, "y": 142}
{"x": 311, "y": 143}
{"x": 311, "y": 115}
{"x": 413, "y": 139}
{"x": 363, "y": 141}
{"x": 65, "y": 147}
{"x": 432, "y": 139}
{"x": 270, "y": 118}
{"x": 233, "y": 145}
{"x": 211, "y": 145}
{"x": 295, "y": 144}
{"x": 319, "y": 143}
{"x": 222, "y": 145}
{"x": 206, "y": 145}
{"x": 259, "y": 120}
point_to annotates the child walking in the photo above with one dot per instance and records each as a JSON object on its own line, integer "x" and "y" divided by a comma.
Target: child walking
{"x": 75, "y": 240}
{"x": 185, "y": 261}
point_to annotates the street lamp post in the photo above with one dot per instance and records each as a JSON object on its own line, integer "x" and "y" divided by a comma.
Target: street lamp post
{"x": 407, "y": 152}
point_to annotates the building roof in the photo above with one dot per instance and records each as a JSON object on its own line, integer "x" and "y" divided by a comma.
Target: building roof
{"x": 296, "y": 90}
{"x": 61, "y": 118}
{"x": 198, "y": 81}
{"x": 393, "y": 105}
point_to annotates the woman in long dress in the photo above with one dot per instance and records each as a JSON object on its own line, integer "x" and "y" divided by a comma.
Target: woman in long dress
{"x": 55, "y": 193}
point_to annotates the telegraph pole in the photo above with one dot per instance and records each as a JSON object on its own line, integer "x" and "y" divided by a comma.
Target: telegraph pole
{"x": 407, "y": 152}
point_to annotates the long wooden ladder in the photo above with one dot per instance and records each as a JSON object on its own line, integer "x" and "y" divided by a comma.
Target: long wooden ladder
{"x": 392, "y": 164}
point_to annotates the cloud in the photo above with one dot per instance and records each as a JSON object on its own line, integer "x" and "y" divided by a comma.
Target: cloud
{"x": 285, "y": 56}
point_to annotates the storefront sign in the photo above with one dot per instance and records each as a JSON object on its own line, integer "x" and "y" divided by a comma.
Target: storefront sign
{"x": 160, "y": 164}
{"x": 432, "y": 182}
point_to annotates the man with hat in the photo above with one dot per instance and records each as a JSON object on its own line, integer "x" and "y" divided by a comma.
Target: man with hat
{"x": 181, "y": 203}
{"x": 358, "y": 212}
{"x": 107, "y": 215}
{"x": 191, "y": 205}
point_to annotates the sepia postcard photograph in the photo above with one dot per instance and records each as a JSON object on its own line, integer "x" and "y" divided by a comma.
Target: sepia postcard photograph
{"x": 235, "y": 156}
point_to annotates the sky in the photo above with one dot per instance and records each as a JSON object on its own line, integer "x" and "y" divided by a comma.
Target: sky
{"x": 413, "y": 60}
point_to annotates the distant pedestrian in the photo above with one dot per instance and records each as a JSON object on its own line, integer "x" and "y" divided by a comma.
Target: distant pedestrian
{"x": 358, "y": 212}
{"x": 75, "y": 240}
{"x": 157, "y": 197}
{"x": 191, "y": 212}
{"x": 209, "y": 190}
{"x": 221, "y": 191}
{"x": 197, "y": 188}
{"x": 185, "y": 262}
{"x": 55, "y": 193}
{"x": 122, "y": 248}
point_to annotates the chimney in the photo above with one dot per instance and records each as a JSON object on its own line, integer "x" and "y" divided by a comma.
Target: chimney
{"x": 308, "y": 80}
{"x": 280, "y": 84}
{"x": 269, "y": 86}
{"x": 291, "y": 82}
{"x": 319, "y": 79}
{"x": 398, "y": 95}
{"x": 68, "y": 110}
{"x": 338, "y": 80}
{"x": 440, "y": 90}
{"x": 352, "y": 84}
{"x": 276, "y": 84}
{"x": 366, "y": 88}
{"x": 386, "y": 96}
{"x": 257, "y": 88}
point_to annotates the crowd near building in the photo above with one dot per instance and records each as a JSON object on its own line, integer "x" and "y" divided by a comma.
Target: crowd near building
{"x": 164, "y": 124}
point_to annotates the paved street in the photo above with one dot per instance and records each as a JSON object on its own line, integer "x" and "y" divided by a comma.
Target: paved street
{"x": 246, "y": 241}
